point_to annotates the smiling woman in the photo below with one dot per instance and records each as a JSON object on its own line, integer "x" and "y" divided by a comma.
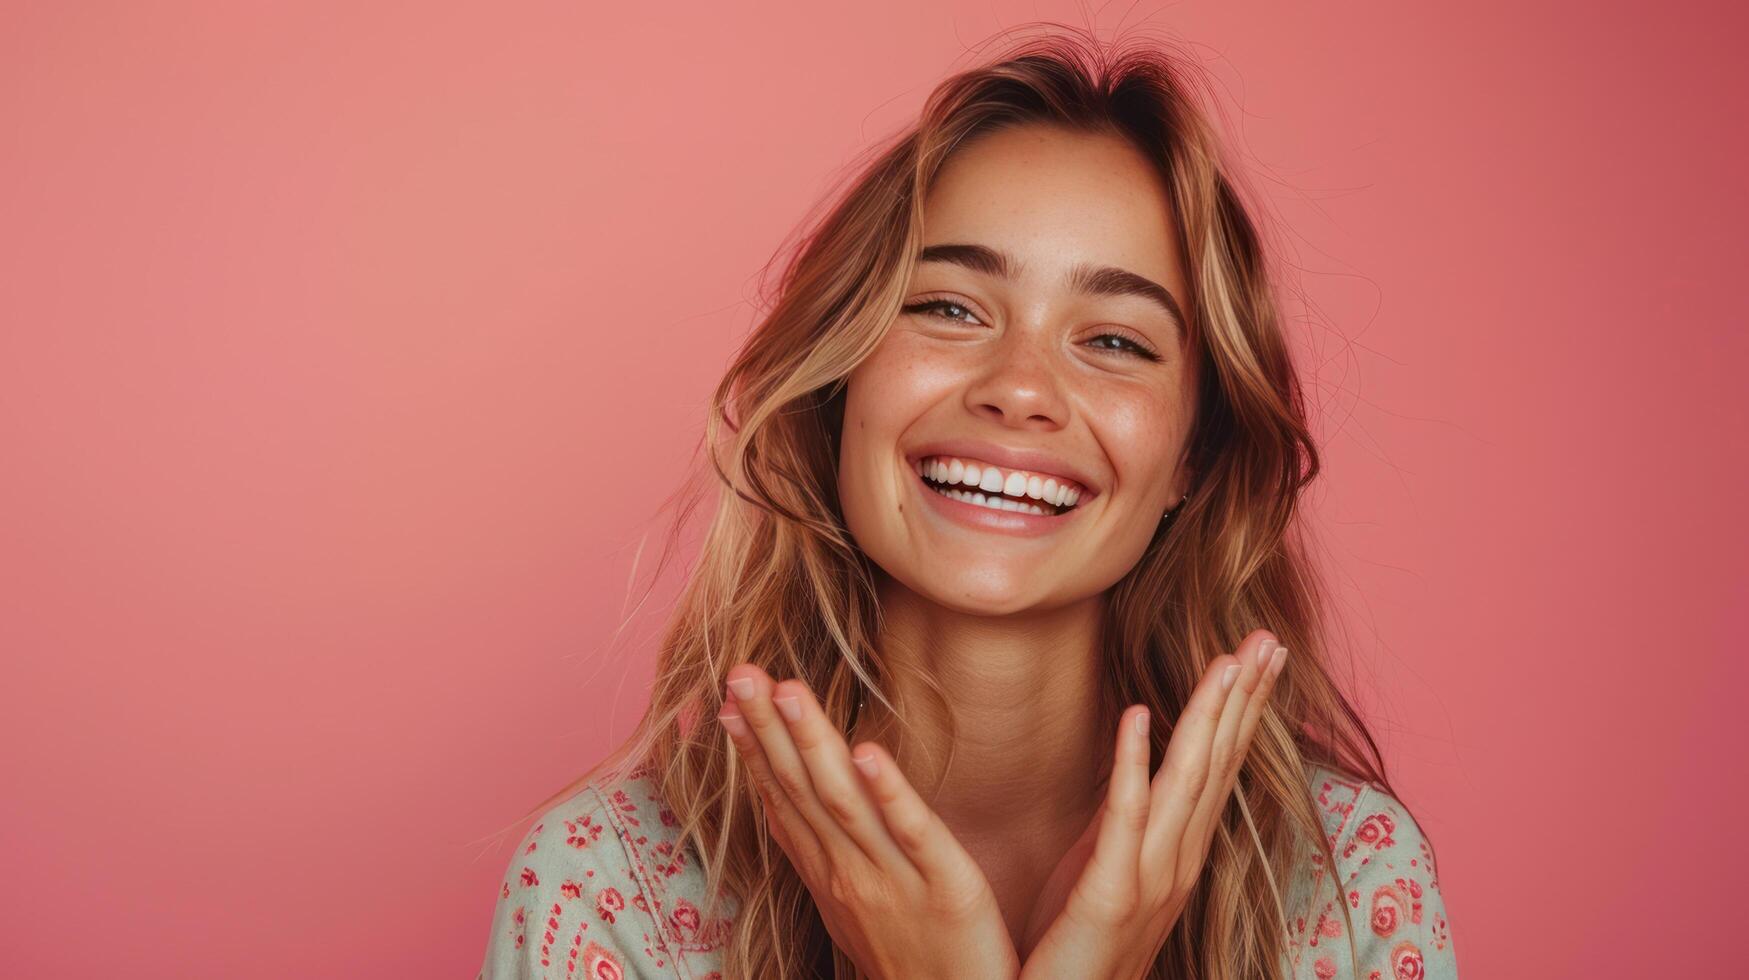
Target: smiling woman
{"x": 995, "y": 612}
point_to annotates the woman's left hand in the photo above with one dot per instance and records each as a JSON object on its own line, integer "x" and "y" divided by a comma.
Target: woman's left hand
{"x": 1148, "y": 844}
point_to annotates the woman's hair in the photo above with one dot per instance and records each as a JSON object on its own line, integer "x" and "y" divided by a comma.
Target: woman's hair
{"x": 781, "y": 583}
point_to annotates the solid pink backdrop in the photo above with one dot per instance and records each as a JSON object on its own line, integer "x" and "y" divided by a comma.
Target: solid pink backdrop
{"x": 346, "y": 351}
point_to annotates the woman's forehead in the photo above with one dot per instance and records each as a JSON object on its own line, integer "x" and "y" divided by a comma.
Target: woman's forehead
{"x": 1048, "y": 198}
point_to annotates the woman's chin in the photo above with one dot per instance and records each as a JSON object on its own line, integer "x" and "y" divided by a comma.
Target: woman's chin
{"x": 982, "y": 585}
{"x": 997, "y": 596}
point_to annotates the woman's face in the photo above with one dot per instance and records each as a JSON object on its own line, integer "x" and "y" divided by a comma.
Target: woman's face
{"x": 1034, "y": 358}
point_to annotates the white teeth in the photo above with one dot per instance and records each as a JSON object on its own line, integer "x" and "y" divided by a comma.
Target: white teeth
{"x": 992, "y": 482}
{"x": 994, "y": 503}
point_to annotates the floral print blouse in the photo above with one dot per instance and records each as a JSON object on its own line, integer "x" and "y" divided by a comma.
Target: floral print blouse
{"x": 601, "y": 889}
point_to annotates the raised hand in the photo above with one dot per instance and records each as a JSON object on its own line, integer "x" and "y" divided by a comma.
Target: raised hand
{"x": 1133, "y": 870}
{"x": 897, "y": 892}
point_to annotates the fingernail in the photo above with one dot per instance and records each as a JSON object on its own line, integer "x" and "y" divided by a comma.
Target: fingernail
{"x": 867, "y": 764}
{"x": 1141, "y": 723}
{"x": 1280, "y": 658}
{"x": 731, "y": 718}
{"x": 742, "y": 687}
{"x": 790, "y": 706}
{"x": 1264, "y": 650}
{"x": 1231, "y": 672}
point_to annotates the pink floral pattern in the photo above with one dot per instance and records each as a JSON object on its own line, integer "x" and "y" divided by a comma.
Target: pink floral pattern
{"x": 1385, "y": 877}
{"x": 603, "y": 889}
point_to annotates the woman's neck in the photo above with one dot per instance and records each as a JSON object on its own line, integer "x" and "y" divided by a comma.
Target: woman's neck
{"x": 1032, "y": 747}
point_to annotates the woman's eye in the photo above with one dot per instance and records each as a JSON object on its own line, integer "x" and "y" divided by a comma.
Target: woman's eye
{"x": 936, "y": 307}
{"x": 1123, "y": 345}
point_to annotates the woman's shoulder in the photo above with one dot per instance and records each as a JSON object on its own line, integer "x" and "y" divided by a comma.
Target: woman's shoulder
{"x": 1386, "y": 878}
{"x": 601, "y": 885}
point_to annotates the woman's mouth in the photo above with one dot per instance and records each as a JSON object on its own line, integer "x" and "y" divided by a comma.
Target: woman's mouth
{"x": 996, "y": 488}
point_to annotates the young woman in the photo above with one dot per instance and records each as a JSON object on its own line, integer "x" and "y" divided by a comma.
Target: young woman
{"x": 1013, "y": 647}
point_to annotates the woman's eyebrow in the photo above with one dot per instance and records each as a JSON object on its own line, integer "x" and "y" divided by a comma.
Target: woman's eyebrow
{"x": 1096, "y": 280}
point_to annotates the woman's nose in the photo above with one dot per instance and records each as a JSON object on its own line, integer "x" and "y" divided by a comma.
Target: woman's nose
{"x": 1018, "y": 386}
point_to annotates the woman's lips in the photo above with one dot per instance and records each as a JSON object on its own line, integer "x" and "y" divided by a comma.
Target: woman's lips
{"x": 1007, "y": 458}
{"x": 1048, "y": 490}
{"x": 983, "y": 517}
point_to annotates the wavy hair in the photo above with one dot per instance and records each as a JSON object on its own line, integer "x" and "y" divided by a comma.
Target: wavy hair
{"x": 780, "y": 582}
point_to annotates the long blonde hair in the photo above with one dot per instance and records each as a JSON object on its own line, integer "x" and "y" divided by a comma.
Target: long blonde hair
{"x": 780, "y": 582}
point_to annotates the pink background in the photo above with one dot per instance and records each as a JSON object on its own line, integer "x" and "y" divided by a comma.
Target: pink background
{"x": 346, "y": 351}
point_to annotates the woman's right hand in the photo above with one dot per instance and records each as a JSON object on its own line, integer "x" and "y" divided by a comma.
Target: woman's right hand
{"x": 897, "y": 892}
